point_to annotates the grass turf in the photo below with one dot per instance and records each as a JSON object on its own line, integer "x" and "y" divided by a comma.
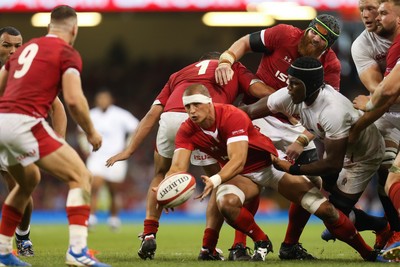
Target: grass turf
{"x": 179, "y": 244}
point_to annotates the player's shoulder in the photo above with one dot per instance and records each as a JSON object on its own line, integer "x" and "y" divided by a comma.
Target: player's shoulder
{"x": 284, "y": 32}
{"x": 286, "y": 28}
{"x": 330, "y": 60}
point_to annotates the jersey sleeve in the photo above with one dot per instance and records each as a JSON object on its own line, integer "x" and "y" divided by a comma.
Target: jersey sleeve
{"x": 130, "y": 122}
{"x": 276, "y": 36}
{"x": 361, "y": 56}
{"x": 244, "y": 76}
{"x": 163, "y": 96}
{"x": 278, "y": 101}
{"x": 332, "y": 69}
{"x": 70, "y": 58}
{"x": 236, "y": 125}
{"x": 182, "y": 138}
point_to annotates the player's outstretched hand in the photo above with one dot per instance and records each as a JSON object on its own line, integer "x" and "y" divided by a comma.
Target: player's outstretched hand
{"x": 119, "y": 157}
{"x": 281, "y": 165}
{"x": 293, "y": 151}
{"x": 209, "y": 186}
{"x": 360, "y": 102}
{"x": 223, "y": 73}
{"x": 95, "y": 140}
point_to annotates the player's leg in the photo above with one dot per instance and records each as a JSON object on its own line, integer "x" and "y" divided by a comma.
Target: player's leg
{"x": 230, "y": 198}
{"x": 115, "y": 205}
{"x": 301, "y": 191}
{"x": 97, "y": 183}
{"x": 14, "y": 206}
{"x": 283, "y": 135}
{"x": 391, "y": 136}
{"x": 214, "y": 221}
{"x": 66, "y": 164}
{"x": 153, "y": 211}
{"x": 22, "y": 240}
{"x": 345, "y": 193}
{"x": 168, "y": 126}
{"x": 392, "y": 189}
{"x": 291, "y": 248}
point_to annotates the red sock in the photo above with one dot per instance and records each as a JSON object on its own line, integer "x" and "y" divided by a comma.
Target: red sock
{"x": 394, "y": 195}
{"x": 345, "y": 231}
{"x": 251, "y": 206}
{"x": 298, "y": 218}
{"x": 246, "y": 224}
{"x": 150, "y": 227}
{"x": 78, "y": 215}
{"x": 10, "y": 219}
{"x": 210, "y": 239}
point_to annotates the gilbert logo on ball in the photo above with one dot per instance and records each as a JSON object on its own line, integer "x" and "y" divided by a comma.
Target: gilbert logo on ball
{"x": 175, "y": 189}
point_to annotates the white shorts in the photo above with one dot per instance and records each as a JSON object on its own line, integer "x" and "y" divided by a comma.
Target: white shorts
{"x": 25, "y": 139}
{"x": 169, "y": 125}
{"x": 281, "y": 134}
{"x": 115, "y": 173}
{"x": 355, "y": 176}
{"x": 268, "y": 177}
{"x": 388, "y": 125}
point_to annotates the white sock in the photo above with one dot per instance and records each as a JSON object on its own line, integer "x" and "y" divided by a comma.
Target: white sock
{"x": 92, "y": 220}
{"x": 114, "y": 221}
{"x": 77, "y": 237}
{"x": 22, "y": 232}
{"x": 5, "y": 244}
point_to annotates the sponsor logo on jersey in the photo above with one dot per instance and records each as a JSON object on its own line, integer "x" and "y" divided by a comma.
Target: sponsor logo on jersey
{"x": 282, "y": 76}
{"x": 28, "y": 154}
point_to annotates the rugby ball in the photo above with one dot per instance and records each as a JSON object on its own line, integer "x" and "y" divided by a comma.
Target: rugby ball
{"x": 175, "y": 189}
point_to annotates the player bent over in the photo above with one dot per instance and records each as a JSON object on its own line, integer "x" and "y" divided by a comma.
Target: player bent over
{"x": 227, "y": 134}
{"x": 31, "y": 81}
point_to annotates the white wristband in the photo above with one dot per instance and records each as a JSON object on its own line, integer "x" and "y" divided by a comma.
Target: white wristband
{"x": 369, "y": 106}
{"x": 216, "y": 180}
{"x": 227, "y": 57}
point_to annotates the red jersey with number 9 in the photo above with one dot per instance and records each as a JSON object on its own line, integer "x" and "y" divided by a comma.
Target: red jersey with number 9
{"x": 34, "y": 75}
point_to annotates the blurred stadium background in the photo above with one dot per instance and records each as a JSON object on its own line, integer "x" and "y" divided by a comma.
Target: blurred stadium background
{"x": 138, "y": 44}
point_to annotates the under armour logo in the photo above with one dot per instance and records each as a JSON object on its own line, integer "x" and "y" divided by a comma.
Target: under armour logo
{"x": 287, "y": 59}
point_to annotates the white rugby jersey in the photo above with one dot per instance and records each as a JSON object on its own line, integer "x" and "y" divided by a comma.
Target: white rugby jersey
{"x": 114, "y": 125}
{"x": 368, "y": 49}
{"x": 330, "y": 116}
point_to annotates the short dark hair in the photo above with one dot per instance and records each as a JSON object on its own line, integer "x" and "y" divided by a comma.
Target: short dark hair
{"x": 210, "y": 55}
{"x": 62, "y": 12}
{"x": 10, "y": 30}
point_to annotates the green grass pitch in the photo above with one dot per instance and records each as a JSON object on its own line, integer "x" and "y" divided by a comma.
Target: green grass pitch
{"x": 178, "y": 244}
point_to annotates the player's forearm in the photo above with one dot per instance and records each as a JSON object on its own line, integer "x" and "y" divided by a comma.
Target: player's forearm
{"x": 258, "y": 109}
{"x": 240, "y": 47}
{"x": 381, "y": 100}
{"x": 79, "y": 111}
{"x": 59, "y": 117}
{"x": 320, "y": 167}
{"x": 144, "y": 128}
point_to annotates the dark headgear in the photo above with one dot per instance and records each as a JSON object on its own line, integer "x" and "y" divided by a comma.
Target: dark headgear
{"x": 327, "y": 27}
{"x": 310, "y": 71}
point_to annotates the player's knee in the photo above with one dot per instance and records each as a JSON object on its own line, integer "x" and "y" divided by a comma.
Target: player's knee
{"x": 229, "y": 197}
{"x": 327, "y": 212}
{"x": 312, "y": 200}
{"x": 343, "y": 203}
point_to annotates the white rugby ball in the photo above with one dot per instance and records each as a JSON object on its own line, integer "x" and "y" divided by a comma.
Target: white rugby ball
{"x": 176, "y": 189}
